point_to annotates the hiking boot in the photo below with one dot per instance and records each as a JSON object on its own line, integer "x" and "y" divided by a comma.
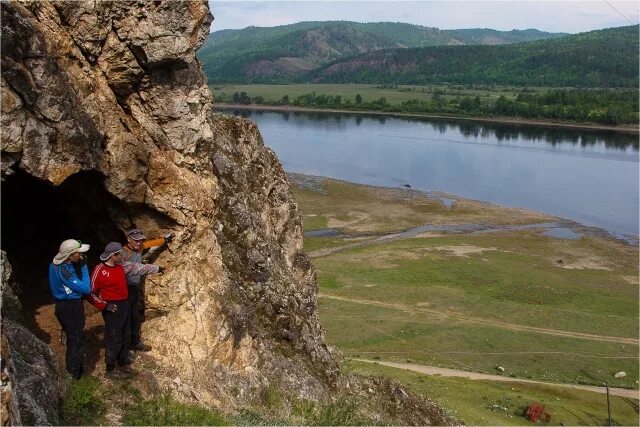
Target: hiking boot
{"x": 117, "y": 374}
{"x": 141, "y": 347}
{"x": 127, "y": 369}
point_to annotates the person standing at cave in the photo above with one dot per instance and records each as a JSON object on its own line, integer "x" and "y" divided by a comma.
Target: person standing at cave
{"x": 132, "y": 253}
{"x": 69, "y": 282}
{"x": 111, "y": 293}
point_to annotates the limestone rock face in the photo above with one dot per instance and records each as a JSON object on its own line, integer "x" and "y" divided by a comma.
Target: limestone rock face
{"x": 115, "y": 88}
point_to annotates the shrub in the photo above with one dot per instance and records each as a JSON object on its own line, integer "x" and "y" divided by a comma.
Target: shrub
{"x": 343, "y": 412}
{"x": 164, "y": 411}
{"x": 83, "y": 403}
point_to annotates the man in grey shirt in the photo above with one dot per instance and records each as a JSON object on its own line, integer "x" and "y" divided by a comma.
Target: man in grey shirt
{"x": 132, "y": 253}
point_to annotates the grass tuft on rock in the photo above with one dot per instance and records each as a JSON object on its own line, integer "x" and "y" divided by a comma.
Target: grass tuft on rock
{"x": 164, "y": 411}
{"x": 84, "y": 402}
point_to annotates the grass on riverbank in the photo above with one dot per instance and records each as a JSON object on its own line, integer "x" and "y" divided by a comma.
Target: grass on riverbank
{"x": 603, "y": 106}
{"x": 453, "y": 300}
{"x": 369, "y": 93}
{"x": 408, "y": 334}
{"x": 476, "y": 402}
{"x": 496, "y": 277}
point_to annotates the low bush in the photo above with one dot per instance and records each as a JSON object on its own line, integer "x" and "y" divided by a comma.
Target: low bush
{"x": 164, "y": 411}
{"x": 83, "y": 403}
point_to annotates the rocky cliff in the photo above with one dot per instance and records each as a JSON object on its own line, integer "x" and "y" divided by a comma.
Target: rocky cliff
{"x": 107, "y": 124}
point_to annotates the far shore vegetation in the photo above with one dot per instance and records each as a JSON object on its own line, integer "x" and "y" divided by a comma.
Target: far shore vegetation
{"x": 600, "y": 106}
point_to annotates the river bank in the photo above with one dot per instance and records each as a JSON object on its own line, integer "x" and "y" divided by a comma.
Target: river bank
{"x": 472, "y": 290}
{"x": 392, "y": 213}
{"x": 412, "y": 279}
{"x": 500, "y": 120}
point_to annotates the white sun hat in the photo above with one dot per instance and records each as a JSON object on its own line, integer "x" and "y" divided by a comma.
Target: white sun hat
{"x": 67, "y": 248}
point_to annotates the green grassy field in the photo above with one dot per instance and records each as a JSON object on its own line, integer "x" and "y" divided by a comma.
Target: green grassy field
{"x": 516, "y": 299}
{"x": 476, "y": 402}
{"x": 368, "y": 92}
{"x": 496, "y": 279}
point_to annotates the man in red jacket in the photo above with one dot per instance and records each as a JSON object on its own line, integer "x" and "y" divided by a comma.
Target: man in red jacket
{"x": 110, "y": 288}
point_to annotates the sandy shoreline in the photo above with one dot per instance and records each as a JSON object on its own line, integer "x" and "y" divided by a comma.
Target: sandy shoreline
{"x": 506, "y": 216}
{"x": 511, "y": 121}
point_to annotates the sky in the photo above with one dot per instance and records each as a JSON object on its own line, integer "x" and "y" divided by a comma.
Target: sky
{"x": 551, "y": 15}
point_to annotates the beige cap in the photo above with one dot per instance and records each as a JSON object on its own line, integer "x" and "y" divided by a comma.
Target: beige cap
{"x": 67, "y": 248}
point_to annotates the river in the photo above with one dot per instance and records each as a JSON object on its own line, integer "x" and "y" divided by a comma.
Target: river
{"x": 587, "y": 176}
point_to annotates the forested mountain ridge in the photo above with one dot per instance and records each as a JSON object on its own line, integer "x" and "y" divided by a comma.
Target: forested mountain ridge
{"x": 284, "y": 53}
{"x": 603, "y": 58}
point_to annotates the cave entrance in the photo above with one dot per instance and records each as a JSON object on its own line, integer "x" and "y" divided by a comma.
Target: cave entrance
{"x": 36, "y": 217}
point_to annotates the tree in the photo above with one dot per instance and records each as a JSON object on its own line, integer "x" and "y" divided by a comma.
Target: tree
{"x": 285, "y": 100}
{"x": 358, "y": 99}
{"x": 244, "y": 98}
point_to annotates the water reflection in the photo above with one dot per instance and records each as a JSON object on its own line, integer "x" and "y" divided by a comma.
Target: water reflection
{"x": 501, "y": 132}
{"x": 587, "y": 176}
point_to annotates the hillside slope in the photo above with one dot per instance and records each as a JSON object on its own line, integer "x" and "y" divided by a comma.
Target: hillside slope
{"x": 604, "y": 58}
{"x": 279, "y": 54}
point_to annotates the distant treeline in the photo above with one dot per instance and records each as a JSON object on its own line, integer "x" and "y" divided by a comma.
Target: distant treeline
{"x": 606, "y": 58}
{"x": 284, "y": 53}
{"x": 597, "y": 59}
{"x": 611, "y": 107}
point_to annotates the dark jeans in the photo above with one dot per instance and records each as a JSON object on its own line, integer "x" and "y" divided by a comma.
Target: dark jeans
{"x": 70, "y": 314}
{"x": 134, "y": 302}
{"x": 117, "y": 335}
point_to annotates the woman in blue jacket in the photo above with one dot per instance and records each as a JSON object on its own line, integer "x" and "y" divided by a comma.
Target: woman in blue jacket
{"x": 69, "y": 281}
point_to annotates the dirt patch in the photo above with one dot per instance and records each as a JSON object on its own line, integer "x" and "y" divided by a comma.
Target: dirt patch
{"x": 631, "y": 279}
{"x": 428, "y": 234}
{"x": 45, "y": 326}
{"x": 390, "y": 258}
{"x": 357, "y": 218}
{"x": 357, "y": 239}
{"x": 590, "y": 262}
{"x": 461, "y": 250}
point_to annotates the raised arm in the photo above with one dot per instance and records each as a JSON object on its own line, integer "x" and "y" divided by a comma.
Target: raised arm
{"x": 137, "y": 269}
{"x": 71, "y": 280}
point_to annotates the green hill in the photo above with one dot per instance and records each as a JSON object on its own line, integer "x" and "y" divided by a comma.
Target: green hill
{"x": 604, "y": 58}
{"x": 286, "y": 53}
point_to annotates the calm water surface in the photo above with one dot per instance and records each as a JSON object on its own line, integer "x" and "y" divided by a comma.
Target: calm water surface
{"x": 587, "y": 176}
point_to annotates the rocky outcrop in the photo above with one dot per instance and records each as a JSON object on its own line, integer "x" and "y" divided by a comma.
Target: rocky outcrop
{"x": 115, "y": 88}
{"x": 33, "y": 392}
{"x": 29, "y": 372}
{"x": 10, "y": 302}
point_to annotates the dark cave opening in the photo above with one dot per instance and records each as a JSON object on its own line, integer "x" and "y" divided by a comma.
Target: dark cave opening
{"x": 37, "y": 216}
